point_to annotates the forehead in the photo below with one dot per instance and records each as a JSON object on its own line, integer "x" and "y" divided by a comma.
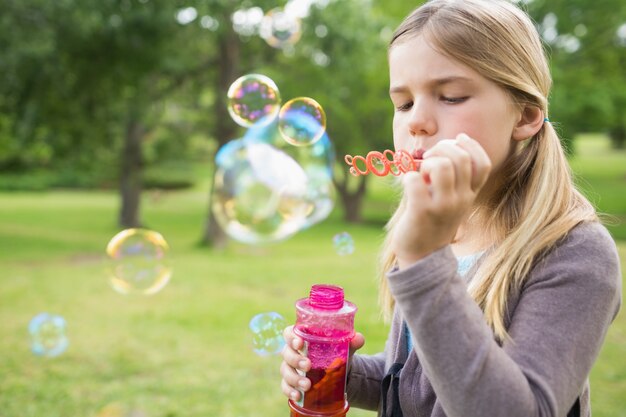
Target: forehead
{"x": 415, "y": 60}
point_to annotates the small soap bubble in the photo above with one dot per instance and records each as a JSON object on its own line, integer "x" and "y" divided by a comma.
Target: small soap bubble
{"x": 267, "y": 333}
{"x": 280, "y": 29}
{"x": 47, "y": 333}
{"x": 139, "y": 262}
{"x": 343, "y": 244}
{"x": 302, "y": 121}
{"x": 252, "y": 99}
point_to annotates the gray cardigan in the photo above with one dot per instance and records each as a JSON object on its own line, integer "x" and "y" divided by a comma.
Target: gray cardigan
{"x": 557, "y": 322}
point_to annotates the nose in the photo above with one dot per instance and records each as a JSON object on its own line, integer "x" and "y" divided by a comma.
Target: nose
{"x": 421, "y": 120}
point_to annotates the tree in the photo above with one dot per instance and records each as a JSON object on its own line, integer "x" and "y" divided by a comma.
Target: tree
{"x": 587, "y": 44}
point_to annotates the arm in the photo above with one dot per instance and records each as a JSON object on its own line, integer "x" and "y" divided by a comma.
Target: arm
{"x": 557, "y": 329}
{"x": 364, "y": 379}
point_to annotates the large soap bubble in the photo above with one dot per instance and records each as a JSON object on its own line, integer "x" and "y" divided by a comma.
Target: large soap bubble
{"x": 139, "y": 262}
{"x": 259, "y": 192}
{"x": 317, "y": 161}
{"x": 253, "y": 99}
{"x": 321, "y": 192}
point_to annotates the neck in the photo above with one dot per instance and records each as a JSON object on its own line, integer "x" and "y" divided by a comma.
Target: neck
{"x": 472, "y": 236}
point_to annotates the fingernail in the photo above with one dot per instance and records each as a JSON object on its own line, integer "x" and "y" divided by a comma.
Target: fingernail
{"x": 294, "y": 395}
{"x": 302, "y": 383}
{"x": 462, "y": 137}
{"x": 302, "y": 364}
{"x": 294, "y": 343}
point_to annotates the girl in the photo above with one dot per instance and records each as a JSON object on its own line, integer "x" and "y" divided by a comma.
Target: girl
{"x": 500, "y": 280}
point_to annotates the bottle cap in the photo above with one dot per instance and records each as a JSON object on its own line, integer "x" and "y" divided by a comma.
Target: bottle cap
{"x": 326, "y": 297}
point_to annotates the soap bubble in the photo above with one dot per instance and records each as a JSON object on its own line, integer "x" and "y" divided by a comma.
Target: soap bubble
{"x": 253, "y": 98}
{"x": 321, "y": 192}
{"x": 47, "y": 333}
{"x": 302, "y": 121}
{"x": 267, "y": 333}
{"x": 139, "y": 262}
{"x": 259, "y": 192}
{"x": 280, "y": 29}
{"x": 317, "y": 161}
{"x": 343, "y": 244}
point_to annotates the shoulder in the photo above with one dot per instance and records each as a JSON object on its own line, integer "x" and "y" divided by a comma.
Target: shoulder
{"x": 585, "y": 260}
{"x": 586, "y": 243}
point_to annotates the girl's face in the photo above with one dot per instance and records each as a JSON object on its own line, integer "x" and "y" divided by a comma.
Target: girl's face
{"x": 437, "y": 98}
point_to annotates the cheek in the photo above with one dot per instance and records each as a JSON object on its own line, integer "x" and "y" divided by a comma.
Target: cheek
{"x": 397, "y": 141}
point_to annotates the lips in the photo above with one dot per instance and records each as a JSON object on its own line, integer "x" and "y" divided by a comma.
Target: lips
{"x": 418, "y": 156}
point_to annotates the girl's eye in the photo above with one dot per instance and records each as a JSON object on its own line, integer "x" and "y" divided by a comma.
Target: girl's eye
{"x": 453, "y": 100}
{"x": 405, "y": 106}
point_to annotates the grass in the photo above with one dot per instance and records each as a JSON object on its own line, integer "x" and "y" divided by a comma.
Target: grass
{"x": 601, "y": 176}
{"x": 186, "y": 351}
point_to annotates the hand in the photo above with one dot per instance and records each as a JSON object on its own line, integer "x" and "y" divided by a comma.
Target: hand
{"x": 438, "y": 197}
{"x": 293, "y": 362}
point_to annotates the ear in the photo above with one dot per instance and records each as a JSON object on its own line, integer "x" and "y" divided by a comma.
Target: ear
{"x": 531, "y": 120}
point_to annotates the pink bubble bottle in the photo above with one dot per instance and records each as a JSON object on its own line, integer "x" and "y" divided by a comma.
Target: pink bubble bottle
{"x": 325, "y": 321}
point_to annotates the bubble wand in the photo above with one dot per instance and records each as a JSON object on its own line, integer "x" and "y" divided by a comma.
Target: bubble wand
{"x": 381, "y": 163}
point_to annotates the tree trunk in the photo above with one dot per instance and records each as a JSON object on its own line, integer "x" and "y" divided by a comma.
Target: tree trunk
{"x": 130, "y": 179}
{"x": 618, "y": 137}
{"x": 352, "y": 201}
{"x": 225, "y": 128}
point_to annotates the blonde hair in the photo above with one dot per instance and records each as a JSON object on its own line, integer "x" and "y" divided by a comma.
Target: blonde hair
{"x": 537, "y": 203}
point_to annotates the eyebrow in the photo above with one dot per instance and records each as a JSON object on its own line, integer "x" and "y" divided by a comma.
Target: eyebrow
{"x": 435, "y": 82}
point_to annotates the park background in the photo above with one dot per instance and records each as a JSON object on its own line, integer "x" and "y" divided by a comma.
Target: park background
{"x": 111, "y": 112}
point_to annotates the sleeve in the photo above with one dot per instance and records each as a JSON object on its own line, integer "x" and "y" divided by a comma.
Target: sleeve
{"x": 364, "y": 379}
{"x": 557, "y": 329}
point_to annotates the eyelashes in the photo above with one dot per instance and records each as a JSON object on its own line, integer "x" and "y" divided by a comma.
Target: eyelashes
{"x": 453, "y": 100}
{"x": 448, "y": 100}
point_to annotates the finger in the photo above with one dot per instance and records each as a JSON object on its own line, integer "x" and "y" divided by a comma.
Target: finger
{"x": 415, "y": 187}
{"x": 289, "y": 391}
{"x": 294, "y": 359}
{"x": 356, "y": 342}
{"x": 293, "y": 378}
{"x": 460, "y": 157}
{"x": 440, "y": 170}
{"x": 481, "y": 164}
{"x": 291, "y": 339}
{"x": 288, "y": 334}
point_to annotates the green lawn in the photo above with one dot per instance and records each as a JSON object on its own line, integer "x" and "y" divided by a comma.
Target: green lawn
{"x": 601, "y": 175}
{"x": 186, "y": 351}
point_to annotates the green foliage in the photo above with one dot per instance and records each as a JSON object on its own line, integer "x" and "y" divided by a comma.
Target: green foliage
{"x": 587, "y": 60}
{"x": 346, "y": 71}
